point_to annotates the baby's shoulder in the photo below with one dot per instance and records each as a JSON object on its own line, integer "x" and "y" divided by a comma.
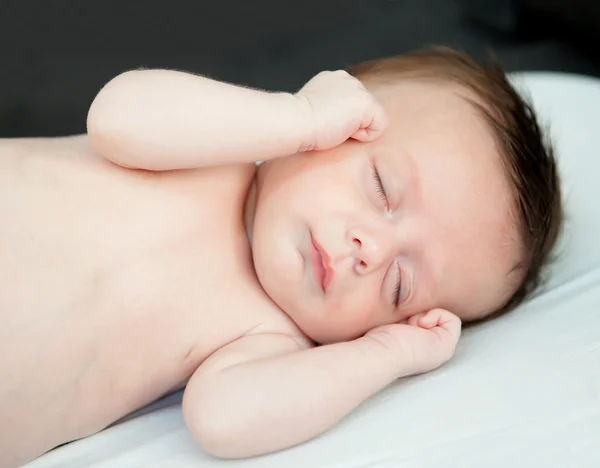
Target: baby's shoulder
{"x": 238, "y": 311}
{"x": 265, "y": 316}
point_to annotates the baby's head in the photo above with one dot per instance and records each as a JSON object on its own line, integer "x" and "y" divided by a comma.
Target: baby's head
{"x": 457, "y": 205}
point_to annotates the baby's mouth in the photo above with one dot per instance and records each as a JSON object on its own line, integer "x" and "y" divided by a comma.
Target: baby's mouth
{"x": 321, "y": 265}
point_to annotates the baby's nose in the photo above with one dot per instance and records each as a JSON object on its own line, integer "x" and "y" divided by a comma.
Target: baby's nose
{"x": 371, "y": 250}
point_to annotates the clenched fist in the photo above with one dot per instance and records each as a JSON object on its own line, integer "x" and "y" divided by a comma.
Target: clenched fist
{"x": 340, "y": 108}
{"x": 423, "y": 343}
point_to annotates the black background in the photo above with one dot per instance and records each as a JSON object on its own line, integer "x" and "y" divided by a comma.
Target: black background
{"x": 56, "y": 54}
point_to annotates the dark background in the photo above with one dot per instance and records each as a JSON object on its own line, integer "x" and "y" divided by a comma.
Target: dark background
{"x": 56, "y": 54}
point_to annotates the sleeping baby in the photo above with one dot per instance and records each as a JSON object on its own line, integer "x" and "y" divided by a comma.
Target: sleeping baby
{"x": 395, "y": 201}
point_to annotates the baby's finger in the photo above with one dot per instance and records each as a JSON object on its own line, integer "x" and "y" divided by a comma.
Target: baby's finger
{"x": 429, "y": 319}
{"x": 380, "y": 120}
{"x": 445, "y": 322}
{"x": 366, "y": 134}
{"x": 373, "y": 125}
{"x": 415, "y": 319}
{"x": 362, "y": 134}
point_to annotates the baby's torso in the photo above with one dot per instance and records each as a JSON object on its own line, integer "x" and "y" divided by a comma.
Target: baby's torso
{"x": 115, "y": 284}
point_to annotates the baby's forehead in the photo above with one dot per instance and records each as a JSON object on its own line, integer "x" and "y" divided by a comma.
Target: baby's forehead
{"x": 443, "y": 118}
{"x": 388, "y": 88}
{"x": 444, "y": 100}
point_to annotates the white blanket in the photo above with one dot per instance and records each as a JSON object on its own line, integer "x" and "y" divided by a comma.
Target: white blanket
{"x": 522, "y": 391}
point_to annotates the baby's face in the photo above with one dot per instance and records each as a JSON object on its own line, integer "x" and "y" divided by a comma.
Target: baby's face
{"x": 368, "y": 234}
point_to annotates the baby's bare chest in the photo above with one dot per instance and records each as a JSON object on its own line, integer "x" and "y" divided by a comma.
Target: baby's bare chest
{"x": 120, "y": 282}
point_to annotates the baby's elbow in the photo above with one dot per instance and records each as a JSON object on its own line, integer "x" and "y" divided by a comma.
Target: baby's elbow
{"x": 102, "y": 137}
{"x": 213, "y": 428}
{"x": 214, "y": 439}
{"x": 107, "y": 106}
{"x": 109, "y": 118}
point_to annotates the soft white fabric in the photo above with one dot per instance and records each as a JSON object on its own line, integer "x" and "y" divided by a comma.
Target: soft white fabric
{"x": 523, "y": 391}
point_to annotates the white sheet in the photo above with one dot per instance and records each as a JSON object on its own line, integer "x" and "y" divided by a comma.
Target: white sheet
{"x": 523, "y": 391}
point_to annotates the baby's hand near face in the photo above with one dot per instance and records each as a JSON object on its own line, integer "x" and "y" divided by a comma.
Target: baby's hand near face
{"x": 340, "y": 107}
{"x": 423, "y": 343}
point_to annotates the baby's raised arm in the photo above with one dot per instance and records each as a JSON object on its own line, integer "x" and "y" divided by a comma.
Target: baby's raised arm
{"x": 263, "y": 393}
{"x": 166, "y": 119}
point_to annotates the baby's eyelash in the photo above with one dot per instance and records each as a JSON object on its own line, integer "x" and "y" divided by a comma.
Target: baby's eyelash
{"x": 379, "y": 185}
{"x": 396, "y": 294}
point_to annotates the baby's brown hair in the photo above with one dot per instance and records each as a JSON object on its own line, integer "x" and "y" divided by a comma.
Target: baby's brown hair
{"x": 527, "y": 154}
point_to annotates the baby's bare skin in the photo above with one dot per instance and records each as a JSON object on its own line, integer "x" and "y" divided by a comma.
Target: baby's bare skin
{"x": 127, "y": 273}
{"x": 112, "y": 286}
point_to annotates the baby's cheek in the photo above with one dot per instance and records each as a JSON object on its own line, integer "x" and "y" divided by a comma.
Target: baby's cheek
{"x": 279, "y": 179}
{"x": 353, "y": 311}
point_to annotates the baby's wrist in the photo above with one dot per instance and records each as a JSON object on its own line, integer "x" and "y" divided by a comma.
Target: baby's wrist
{"x": 306, "y": 123}
{"x": 391, "y": 361}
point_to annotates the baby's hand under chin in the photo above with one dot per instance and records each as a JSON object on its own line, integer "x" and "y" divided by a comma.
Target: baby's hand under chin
{"x": 422, "y": 343}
